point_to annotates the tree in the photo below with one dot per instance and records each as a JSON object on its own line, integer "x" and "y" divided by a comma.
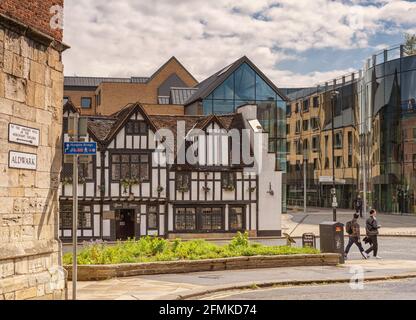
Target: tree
{"x": 410, "y": 44}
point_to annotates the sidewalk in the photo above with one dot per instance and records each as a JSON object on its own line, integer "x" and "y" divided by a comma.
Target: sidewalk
{"x": 174, "y": 286}
{"x": 392, "y": 225}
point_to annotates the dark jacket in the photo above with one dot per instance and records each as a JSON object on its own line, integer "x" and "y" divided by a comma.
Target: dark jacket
{"x": 355, "y": 229}
{"x": 358, "y": 203}
{"x": 372, "y": 227}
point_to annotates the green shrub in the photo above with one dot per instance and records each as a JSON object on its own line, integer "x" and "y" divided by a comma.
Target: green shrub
{"x": 148, "y": 249}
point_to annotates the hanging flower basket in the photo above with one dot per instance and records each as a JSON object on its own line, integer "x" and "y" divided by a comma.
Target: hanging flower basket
{"x": 228, "y": 188}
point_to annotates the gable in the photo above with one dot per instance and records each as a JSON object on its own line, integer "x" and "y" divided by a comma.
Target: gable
{"x": 237, "y": 81}
{"x": 172, "y": 81}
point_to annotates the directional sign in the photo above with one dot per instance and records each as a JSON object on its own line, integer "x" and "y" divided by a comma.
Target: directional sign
{"x": 23, "y": 135}
{"x": 83, "y": 148}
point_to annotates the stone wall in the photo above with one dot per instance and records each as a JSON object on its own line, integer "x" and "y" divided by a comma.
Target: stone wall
{"x": 31, "y": 90}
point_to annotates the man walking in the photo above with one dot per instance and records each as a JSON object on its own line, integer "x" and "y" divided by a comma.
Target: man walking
{"x": 372, "y": 232}
{"x": 353, "y": 230}
{"x": 359, "y": 205}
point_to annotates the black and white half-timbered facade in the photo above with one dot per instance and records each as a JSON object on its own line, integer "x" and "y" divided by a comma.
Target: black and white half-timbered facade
{"x": 173, "y": 176}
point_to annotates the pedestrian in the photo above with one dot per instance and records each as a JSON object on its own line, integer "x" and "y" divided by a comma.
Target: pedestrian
{"x": 372, "y": 227}
{"x": 359, "y": 206}
{"x": 353, "y": 229}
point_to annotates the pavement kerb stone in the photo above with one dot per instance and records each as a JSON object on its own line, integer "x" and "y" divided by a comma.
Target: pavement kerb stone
{"x": 193, "y": 294}
{"x": 103, "y": 272}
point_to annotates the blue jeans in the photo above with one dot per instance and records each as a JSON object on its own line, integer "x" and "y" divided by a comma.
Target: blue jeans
{"x": 351, "y": 241}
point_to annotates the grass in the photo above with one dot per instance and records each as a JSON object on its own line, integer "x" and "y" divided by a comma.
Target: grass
{"x": 150, "y": 249}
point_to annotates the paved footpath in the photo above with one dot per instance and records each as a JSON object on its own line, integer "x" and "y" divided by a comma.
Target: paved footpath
{"x": 392, "y": 225}
{"x": 177, "y": 285}
{"x": 398, "y": 253}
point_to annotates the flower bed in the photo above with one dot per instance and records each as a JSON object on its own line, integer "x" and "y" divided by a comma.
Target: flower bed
{"x": 149, "y": 249}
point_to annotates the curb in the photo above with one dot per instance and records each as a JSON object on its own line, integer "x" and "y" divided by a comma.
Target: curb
{"x": 194, "y": 294}
{"x": 104, "y": 272}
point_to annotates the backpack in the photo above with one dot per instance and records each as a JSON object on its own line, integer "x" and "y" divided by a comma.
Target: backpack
{"x": 348, "y": 227}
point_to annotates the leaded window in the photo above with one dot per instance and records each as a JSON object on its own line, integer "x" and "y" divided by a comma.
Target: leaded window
{"x": 228, "y": 180}
{"x": 211, "y": 219}
{"x": 136, "y": 127}
{"x": 152, "y": 218}
{"x": 183, "y": 180}
{"x": 185, "y": 219}
{"x": 85, "y": 170}
{"x": 84, "y": 217}
{"x": 236, "y": 218}
{"x": 130, "y": 166}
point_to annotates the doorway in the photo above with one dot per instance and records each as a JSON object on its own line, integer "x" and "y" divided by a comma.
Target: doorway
{"x": 125, "y": 224}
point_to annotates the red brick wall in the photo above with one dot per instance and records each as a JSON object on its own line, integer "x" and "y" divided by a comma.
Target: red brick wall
{"x": 35, "y": 13}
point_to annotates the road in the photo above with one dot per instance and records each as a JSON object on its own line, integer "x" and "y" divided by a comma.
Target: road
{"x": 386, "y": 290}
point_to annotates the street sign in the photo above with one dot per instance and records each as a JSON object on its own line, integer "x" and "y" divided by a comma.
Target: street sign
{"x": 80, "y": 148}
{"x": 22, "y": 160}
{"x": 309, "y": 240}
{"x": 24, "y": 135}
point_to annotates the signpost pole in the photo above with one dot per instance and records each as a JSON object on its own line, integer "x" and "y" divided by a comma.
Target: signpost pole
{"x": 75, "y": 213}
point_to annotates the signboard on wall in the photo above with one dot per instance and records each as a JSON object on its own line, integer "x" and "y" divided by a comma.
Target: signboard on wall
{"x": 23, "y": 135}
{"x": 109, "y": 215}
{"x": 22, "y": 160}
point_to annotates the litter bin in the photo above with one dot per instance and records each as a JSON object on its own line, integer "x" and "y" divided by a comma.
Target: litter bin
{"x": 332, "y": 238}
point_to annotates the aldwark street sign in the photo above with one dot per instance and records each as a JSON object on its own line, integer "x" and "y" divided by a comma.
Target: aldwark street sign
{"x": 22, "y": 160}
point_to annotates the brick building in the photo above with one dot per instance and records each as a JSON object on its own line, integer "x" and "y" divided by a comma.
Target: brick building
{"x": 31, "y": 82}
{"x": 159, "y": 94}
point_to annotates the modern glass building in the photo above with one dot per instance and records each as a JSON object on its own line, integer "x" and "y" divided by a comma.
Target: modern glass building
{"x": 388, "y": 130}
{"x": 309, "y": 143}
{"x": 243, "y": 83}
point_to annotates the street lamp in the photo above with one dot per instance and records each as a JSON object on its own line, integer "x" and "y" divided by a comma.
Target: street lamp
{"x": 305, "y": 162}
{"x": 334, "y": 95}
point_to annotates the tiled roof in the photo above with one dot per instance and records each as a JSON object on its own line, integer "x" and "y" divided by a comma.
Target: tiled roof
{"x": 96, "y": 81}
{"x": 101, "y": 127}
{"x": 229, "y": 121}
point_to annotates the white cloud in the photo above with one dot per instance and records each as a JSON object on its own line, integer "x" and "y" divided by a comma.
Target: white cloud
{"x": 134, "y": 37}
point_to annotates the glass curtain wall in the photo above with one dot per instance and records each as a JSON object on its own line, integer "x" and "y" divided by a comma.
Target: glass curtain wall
{"x": 389, "y": 89}
{"x": 245, "y": 86}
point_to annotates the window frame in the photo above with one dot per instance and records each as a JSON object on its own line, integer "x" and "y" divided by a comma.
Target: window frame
{"x": 81, "y": 219}
{"x": 243, "y": 219}
{"x": 338, "y": 146}
{"x": 141, "y": 130}
{"x": 86, "y": 98}
{"x": 179, "y": 175}
{"x": 148, "y": 217}
{"x": 226, "y": 182}
{"x": 130, "y": 154}
{"x": 198, "y": 218}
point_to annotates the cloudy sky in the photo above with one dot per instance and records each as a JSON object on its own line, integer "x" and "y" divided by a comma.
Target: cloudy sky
{"x": 295, "y": 42}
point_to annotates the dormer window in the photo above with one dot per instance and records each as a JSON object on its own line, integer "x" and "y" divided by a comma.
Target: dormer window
{"x": 136, "y": 127}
